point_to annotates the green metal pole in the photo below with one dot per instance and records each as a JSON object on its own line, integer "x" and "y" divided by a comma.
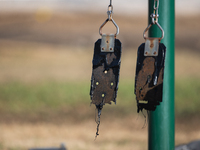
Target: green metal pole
{"x": 161, "y": 121}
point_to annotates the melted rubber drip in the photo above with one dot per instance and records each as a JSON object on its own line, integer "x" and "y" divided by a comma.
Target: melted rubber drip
{"x": 98, "y": 108}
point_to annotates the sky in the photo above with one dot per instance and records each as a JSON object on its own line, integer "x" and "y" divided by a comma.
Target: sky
{"x": 183, "y": 7}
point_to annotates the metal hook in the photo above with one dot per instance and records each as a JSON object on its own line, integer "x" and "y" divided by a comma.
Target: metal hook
{"x": 154, "y": 16}
{"x": 109, "y": 12}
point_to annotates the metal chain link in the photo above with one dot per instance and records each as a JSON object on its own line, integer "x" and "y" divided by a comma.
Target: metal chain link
{"x": 110, "y": 2}
{"x": 110, "y": 10}
{"x": 154, "y": 6}
{"x": 155, "y": 14}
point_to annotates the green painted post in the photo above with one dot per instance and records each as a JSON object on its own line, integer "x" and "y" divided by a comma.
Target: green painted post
{"x": 161, "y": 121}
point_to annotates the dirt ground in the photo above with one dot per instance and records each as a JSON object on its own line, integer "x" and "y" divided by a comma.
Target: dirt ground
{"x": 126, "y": 133}
{"x": 43, "y": 45}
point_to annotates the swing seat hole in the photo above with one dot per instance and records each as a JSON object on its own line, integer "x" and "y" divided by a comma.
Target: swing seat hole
{"x": 152, "y": 45}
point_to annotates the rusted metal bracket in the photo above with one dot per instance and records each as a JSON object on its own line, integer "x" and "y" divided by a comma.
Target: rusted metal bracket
{"x": 151, "y": 47}
{"x": 149, "y": 78}
{"x": 107, "y": 43}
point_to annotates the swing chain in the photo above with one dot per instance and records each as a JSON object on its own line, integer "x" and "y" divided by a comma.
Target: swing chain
{"x": 155, "y": 14}
{"x": 154, "y": 6}
{"x": 110, "y": 3}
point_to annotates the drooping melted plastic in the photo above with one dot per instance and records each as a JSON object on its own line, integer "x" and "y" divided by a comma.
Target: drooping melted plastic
{"x": 105, "y": 76}
{"x": 149, "y": 78}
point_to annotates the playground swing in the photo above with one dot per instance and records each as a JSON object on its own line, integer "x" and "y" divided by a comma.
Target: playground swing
{"x": 106, "y": 67}
{"x": 150, "y": 68}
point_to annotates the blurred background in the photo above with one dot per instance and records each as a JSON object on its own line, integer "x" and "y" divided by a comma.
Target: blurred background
{"x": 46, "y": 51}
